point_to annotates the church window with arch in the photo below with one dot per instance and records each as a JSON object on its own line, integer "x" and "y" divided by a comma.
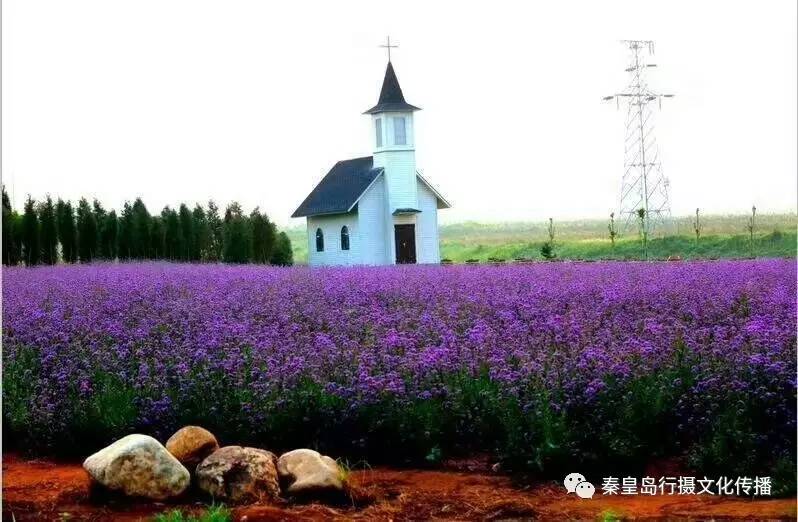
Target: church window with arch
{"x": 345, "y": 238}
{"x": 319, "y": 240}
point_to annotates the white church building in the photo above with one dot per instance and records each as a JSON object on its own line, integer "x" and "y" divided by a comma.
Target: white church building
{"x": 376, "y": 210}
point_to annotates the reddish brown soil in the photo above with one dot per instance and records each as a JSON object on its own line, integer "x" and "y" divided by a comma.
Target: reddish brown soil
{"x": 46, "y": 490}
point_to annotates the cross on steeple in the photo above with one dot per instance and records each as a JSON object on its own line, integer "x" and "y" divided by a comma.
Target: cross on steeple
{"x": 388, "y": 46}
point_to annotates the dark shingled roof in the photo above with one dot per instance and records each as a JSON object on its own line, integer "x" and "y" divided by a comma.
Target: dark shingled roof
{"x": 391, "y": 97}
{"x": 340, "y": 188}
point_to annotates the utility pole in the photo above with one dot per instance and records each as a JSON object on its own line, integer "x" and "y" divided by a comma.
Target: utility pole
{"x": 644, "y": 186}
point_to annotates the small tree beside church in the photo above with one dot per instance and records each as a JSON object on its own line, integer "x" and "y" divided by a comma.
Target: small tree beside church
{"x": 262, "y": 236}
{"x": 282, "y": 254}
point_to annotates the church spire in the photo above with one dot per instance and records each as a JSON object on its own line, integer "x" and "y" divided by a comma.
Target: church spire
{"x": 391, "y": 97}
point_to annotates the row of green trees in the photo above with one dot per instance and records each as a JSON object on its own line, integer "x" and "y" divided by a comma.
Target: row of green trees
{"x": 48, "y": 231}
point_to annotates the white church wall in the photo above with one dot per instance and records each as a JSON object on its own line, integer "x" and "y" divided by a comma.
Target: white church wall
{"x": 390, "y": 249}
{"x": 371, "y": 225}
{"x": 331, "y": 228}
{"x": 427, "y": 240}
{"x": 400, "y": 174}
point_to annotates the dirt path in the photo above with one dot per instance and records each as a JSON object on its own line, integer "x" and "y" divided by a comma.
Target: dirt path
{"x": 46, "y": 490}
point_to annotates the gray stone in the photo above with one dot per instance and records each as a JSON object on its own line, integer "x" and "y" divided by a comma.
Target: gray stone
{"x": 138, "y": 465}
{"x": 308, "y": 472}
{"x": 239, "y": 475}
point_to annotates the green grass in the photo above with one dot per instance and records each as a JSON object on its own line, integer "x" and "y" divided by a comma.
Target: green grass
{"x": 609, "y": 516}
{"x": 213, "y": 514}
{"x": 722, "y": 237}
{"x": 709, "y": 247}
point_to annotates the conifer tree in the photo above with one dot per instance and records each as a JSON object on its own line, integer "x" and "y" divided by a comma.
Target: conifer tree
{"x": 282, "y": 255}
{"x": 125, "y": 242}
{"x": 261, "y": 241}
{"x": 202, "y": 234}
{"x": 30, "y": 234}
{"x": 186, "y": 232}
{"x": 237, "y": 235}
{"x": 11, "y": 239}
{"x": 271, "y": 237}
{"x": 99, "y": 219}
{"x": 109, "y": 230}
{"x": 141, "y": 231}
{"x": 17, "y": 256}
{"x": 67, "y": 233}
{"x": 87, "y": 232}
{"x": 173, "y": 235}
{"x": 157, "y": 248}
{"x": 216, "y": 228}
{"x": 48, "y": 232}
{"x": 90, "y": 232}
{"x": 8, "y": 228}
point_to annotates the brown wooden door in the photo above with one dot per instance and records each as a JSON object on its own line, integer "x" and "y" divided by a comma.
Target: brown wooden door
{"x": 405, "y": 236}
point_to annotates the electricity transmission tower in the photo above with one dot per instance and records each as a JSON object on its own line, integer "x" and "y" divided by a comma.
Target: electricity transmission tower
{"x": 644, "y": 187}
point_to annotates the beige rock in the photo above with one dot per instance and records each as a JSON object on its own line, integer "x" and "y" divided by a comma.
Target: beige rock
{"x": 138, "y": 465}
{"x": 191, "y": 444}
{"x": 307, "y": 471}
{"x": 239, "y": 475}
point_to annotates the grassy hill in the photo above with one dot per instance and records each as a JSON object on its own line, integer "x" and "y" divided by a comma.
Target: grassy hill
{"x": 722, "y": 237}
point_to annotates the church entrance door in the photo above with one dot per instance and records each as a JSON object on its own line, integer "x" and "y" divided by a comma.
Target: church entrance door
{"x": 405, "y": 243}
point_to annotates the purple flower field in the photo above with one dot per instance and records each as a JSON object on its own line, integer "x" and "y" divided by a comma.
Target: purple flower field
{"x": 545, "y": 364}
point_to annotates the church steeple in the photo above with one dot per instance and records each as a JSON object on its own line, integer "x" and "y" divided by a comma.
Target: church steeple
{"x": 391, "y": 97}
{"x": 394, "y": 142}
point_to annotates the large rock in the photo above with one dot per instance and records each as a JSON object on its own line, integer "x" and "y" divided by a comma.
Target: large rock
{"x": 138, "y": 465}
{"x": 191, "y": 444}
{"x": 239, "y": 475}
{"x": 308, "y": 472}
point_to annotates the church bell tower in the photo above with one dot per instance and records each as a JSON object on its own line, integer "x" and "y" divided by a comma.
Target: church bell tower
{"x": 394, "y": 144}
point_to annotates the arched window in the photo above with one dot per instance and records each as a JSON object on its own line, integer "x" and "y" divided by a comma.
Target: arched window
{"x": 319, "y": 240}
{"x": 345, "y": 238}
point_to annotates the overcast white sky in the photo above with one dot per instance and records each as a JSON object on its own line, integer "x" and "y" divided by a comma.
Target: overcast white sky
{"x": 254, "y": 101}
